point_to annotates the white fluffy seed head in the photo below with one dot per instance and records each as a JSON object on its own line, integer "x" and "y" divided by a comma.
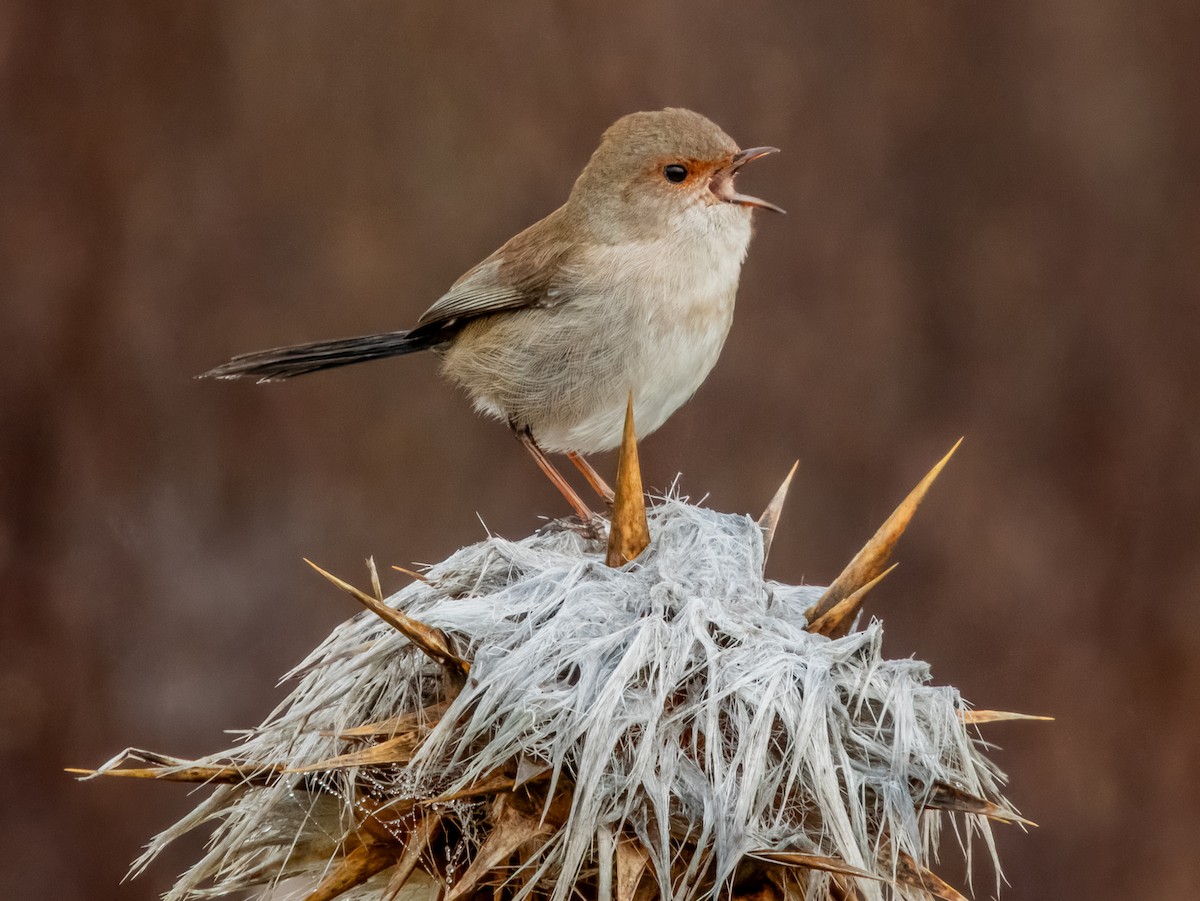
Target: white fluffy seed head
{"x": 681, "y": 695}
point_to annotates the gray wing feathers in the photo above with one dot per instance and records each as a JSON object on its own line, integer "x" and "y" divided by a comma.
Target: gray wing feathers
{"x": 523, "y": 273}
{"x": 481, "y": 292}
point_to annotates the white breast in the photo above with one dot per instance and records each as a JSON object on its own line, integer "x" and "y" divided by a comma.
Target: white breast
{"x": 648, "y": 317}
{"x": 671, "y": 306}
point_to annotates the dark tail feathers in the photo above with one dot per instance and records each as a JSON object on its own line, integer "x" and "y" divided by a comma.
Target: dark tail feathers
{"x": 285, "y": 362}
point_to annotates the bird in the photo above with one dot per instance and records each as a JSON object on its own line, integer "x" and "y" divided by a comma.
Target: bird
{"x": 627, "y": 289}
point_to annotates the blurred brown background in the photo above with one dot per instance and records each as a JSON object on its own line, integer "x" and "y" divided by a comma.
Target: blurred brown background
{"x": 993, "y": 232}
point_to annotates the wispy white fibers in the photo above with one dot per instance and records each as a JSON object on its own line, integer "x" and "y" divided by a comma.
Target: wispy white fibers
{"x": 680, "y": 696}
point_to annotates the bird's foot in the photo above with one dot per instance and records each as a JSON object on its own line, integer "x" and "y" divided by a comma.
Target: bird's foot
{"x": 593, "y": 528}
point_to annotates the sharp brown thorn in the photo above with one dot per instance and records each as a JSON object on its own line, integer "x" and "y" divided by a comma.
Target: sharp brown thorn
{"x": 812, "y": 862}
{"x": 398, "y": 750}
{"x": 871, "y": 560}
{"x": 411, "y": 574}
{"x": 912, "y": 873}
{"x": 376, "y": 586}
{"x": 629, "y": 533}
{"x": 770, "y": 516}
{"x": 494, "y": 783}
{"x": 948, "y": 797}
{"x": 975, "y": 717}
{"x": 424, "y": 719}
{"x": 432, "y": 641}
{"x": 835, "y": 622}
{"x": 228, "y": 775}
{"x": 354, "y": 869}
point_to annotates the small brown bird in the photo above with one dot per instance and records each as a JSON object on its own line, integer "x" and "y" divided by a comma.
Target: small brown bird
{"x": 628, "y": 286}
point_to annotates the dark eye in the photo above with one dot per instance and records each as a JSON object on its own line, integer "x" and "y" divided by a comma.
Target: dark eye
{"x": 675, "y": 173}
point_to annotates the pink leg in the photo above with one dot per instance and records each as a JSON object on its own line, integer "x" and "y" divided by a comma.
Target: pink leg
{"x": 554, "y": 475}
{"x": 593, "y": 478}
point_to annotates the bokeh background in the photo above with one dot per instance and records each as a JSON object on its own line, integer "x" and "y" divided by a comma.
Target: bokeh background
{"x": 993, "y": 232}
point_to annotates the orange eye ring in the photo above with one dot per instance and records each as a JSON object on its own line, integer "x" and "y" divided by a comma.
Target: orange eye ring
{"x": 675, "y": 173}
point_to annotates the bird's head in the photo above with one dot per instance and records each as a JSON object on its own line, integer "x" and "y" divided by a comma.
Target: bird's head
{"x": 652, "y": 168}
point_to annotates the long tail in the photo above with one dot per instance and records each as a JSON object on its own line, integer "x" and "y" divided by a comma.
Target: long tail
{"x": 285, "y": 362}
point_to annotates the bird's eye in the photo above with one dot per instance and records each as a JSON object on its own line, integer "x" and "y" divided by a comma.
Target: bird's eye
{"x": 675, "y": 173}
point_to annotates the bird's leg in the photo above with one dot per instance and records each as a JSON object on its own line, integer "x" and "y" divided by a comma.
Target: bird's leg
{"x": 555, "y": 477}
{"x": 593, "y": 478}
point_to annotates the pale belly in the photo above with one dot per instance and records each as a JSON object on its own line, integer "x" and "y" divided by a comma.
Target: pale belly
{"x": 632, "y": 323}
{"x": 566, "y": 373}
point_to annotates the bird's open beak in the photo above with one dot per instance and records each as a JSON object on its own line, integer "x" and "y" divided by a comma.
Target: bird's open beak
{"x": 722, "y": 183}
